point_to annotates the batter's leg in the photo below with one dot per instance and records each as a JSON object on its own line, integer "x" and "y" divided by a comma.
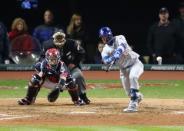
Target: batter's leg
{"x": 125, "y": 81}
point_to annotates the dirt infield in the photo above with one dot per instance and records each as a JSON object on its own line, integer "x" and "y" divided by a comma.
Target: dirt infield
{"x": 102, "y": 111}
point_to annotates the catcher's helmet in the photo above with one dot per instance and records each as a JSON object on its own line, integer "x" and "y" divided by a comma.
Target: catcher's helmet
{"x": 105, "y": 32}
{"x": 52, "y": 56}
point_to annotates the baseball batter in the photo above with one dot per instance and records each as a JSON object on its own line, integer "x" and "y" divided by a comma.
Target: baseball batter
{"x": 117, "y": 50}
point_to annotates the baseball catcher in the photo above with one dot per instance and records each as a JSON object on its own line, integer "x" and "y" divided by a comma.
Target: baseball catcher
{"x": 51, "y": 73}
{"x": 72, "y": 54}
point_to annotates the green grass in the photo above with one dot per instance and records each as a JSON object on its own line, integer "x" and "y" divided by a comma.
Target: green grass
{"x": 91, "y": 128}
{"x": 167, "y": 89}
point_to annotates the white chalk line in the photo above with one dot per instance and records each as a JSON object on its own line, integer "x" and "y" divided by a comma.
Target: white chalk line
{"x": 10, "y": 117}
{"x": 4, "y": 115}
{"x": 178, "y": 112}
{"x": 82, "y": 112}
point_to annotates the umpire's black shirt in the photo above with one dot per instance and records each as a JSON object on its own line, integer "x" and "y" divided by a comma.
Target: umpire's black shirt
{"x": 71, "y": 52}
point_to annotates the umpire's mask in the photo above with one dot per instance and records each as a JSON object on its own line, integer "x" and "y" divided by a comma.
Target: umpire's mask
{"x": 59, "y": 38}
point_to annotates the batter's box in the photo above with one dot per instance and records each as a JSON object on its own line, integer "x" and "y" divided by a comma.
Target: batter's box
{"x": 11, "y": 117}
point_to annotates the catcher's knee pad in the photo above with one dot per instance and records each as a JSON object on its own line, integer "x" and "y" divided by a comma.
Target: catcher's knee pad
{"x": 71, "y": 84}
{"x": 36, "y": 81}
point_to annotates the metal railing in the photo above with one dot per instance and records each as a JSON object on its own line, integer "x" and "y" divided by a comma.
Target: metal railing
{"x": 94, "y": 67}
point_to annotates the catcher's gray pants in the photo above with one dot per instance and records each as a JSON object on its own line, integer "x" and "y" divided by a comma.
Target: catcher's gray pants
{"x": 129, "y": 77}
{"x": 79, "y": 79}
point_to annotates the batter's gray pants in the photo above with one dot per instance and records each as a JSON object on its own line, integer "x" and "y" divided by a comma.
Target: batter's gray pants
{"x": 130, "y": 76}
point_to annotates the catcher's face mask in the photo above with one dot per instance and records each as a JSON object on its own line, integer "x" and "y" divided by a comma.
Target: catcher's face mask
{"x": 52, "y": 57}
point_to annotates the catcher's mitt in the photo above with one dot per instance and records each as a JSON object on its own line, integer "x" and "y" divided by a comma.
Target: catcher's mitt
{"x": 53, "y": 95}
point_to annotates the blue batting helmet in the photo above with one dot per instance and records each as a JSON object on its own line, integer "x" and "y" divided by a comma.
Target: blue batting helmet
{"x": 105, "y": 32}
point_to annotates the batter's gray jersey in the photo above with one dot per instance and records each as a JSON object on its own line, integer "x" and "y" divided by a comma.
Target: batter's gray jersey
{"x": 130, "y": 66}
{"x": 128, "y": 56}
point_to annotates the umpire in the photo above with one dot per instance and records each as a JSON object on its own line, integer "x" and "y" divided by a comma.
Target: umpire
{"x": 72, "y": 54}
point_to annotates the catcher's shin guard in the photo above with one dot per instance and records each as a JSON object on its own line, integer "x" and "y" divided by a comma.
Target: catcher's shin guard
{"x": 32, "y": 91}
{"x": 74, "y": 96}
{"x": 30, "y": 97}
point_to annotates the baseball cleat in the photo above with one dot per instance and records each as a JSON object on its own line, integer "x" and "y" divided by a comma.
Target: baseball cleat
{"x": 78, "y": 103}
{"x": 85, "y": 99}
{"x": 132, "y": 107}
{"x": 130, "y": 110}
{"x": 24, "y": 101}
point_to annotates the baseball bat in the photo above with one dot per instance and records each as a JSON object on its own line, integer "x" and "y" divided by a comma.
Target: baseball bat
{"x": 109, "y": 66}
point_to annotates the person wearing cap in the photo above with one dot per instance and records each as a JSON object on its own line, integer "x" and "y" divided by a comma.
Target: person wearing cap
{"x": 72, "y": 54}
{"x": 161, "y": 39}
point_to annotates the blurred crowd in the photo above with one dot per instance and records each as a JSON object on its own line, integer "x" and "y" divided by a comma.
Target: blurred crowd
{"x": 165, "y": 38}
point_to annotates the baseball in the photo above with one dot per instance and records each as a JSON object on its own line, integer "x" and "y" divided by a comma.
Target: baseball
{"x": 159, "y": 58}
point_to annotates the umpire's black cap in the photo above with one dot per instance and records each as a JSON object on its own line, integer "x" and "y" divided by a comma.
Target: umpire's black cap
{"x": 163, "y": 10}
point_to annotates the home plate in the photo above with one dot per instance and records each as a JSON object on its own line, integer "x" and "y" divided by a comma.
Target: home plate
{"x": 82, "y": 112}
{"x": 178, "y": 112}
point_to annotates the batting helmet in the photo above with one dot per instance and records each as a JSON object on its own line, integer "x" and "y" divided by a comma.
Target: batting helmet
{"x": 105, "y": 32}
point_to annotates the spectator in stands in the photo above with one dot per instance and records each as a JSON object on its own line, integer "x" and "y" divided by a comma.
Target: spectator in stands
{"x": 76, "y": 31}
{"x": 19, "y": 27}
{"x": 179, "y": 23}
{"x": 162, "y": 39}
{"x": 45, "y": 31}
{"x": 4, "y": 45}
{"x": 98, "y": 57}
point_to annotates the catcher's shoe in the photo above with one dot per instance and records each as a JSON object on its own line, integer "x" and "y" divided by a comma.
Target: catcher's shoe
{"x": 140, "y": 97}
{"x": 132, "y": 107}
{"x": 85, "y": 99}
{"x": 24, "y": 101}
{"x": 79, "y": 103}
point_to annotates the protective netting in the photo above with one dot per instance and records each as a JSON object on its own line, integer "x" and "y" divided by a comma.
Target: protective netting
{"x": 25, "y": 49}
